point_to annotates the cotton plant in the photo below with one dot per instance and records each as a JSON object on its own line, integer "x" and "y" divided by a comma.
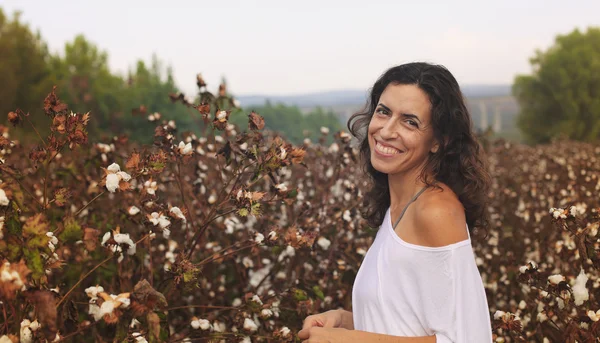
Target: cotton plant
{"x": 115, "y": 178}
{"x": 185, "y": 149}
{"x": 3, "y": 198}
{"x": 106, "y": 306}
{"x": 177, "y": 213}
{"x": 150, "y": 187}
{"x": 160, "y": 220}
{"x": 114, "y": 240}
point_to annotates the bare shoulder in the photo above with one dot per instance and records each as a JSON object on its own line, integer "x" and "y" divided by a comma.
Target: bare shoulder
{"x": 440, "y": 217}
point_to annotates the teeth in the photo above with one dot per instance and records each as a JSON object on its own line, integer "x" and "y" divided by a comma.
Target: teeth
{"x": 386, "y": 150}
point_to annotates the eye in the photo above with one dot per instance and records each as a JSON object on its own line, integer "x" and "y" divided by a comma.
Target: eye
{"x": 412, "y": 123}
{"x": 381, "y": 111}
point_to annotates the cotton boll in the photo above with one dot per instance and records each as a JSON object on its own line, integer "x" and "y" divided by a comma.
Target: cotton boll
{"x": 580, "y": 292}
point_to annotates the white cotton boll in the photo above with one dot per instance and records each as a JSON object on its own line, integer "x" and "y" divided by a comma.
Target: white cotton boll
{"x": 542, "y": 317}
{"x": 266, "y": 313}
{"x": 272, "y": 235}
{"x": 93, "y": 291}
{"x": 200, "y": 324}
{"x": 124, "y": 176}
{"x": 246, "y": 340}
{"x": 107, "y": 308}
{"x": 204, "y": 324}
{"x": 105, "y": 238}
{"x": 114, "y": 168}
{"x": 257, "y": 299}
{"x": 177, "y": 212}
{"x": 53, "y": 238}
{"x": 594, "y": 316}
{"x": 124, "y": 300}
{"x": 580, "y": 292}
{"x": 556, "y": 279}
{"x": 324, "y": 243}
{"x": 134, "y": 323}
{"x": 247, "y": 262}
{"x": 133, "y": 210}
{"x": 139, "y": 338}
{"x": 284, "y": 331}
{"x": 219, "y": 327}
{"x": 334, "y": 148}
{"x": 163, "y": 222}
{"x": 259, "y": 238}
{"x": 250, "y": 325}
{"x": 347, "y": 216}
{"x": 26, "y": 334}
{"x": 499, "y": 314}
{"x": 236, "y": 302}
{"x": 166, "y": 233}
{"x": 3, "y": 199}
{"x": 112, "y": 182}
{"x": 124, "y": 238}
{"x": 324, "y": 130}
{"x": 281, "y": 187}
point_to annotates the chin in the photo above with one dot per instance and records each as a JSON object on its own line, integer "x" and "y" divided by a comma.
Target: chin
{"x": 381, "y": 167}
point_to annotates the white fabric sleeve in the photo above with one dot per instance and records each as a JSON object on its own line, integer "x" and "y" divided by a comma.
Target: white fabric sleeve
{"x": 463, "y": 315}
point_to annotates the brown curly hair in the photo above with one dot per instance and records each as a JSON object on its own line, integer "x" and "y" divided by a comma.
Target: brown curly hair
{"x": 460, "y": 161}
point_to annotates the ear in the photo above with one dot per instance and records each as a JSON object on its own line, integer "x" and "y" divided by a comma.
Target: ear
{"x": 436, "y": 145}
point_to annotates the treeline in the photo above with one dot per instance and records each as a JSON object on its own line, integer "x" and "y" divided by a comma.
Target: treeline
{"x": 85, "y": 82}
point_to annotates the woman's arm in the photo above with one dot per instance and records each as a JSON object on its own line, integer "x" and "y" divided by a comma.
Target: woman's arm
{"x": 347, "y": 319}
{"x": 370, "y": 337}
{"x": 338, "y": 335}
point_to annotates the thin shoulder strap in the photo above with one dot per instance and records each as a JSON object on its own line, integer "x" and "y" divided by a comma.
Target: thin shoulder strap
{"x": 405, "y": 207}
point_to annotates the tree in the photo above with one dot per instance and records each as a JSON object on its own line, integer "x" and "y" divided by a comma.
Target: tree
{"x": 562, "y": 96}
{"x": 26, "y": 76}
{"x": 86, "y": 84}
{"x": 291, "y": 123}
{"x": 150, "y": 87}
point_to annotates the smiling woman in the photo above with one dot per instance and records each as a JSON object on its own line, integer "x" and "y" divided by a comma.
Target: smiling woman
{"x": 419, "y": 281}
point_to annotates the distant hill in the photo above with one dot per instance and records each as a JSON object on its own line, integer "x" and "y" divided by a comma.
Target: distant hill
{"x": 356, "y": 97}
{"x": 489, "y": 105}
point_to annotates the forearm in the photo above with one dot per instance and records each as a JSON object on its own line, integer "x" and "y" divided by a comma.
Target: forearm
{"x": 370, "y": 337}
{"x": 347, "y": 319}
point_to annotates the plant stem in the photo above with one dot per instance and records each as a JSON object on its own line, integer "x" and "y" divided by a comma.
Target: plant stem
{"x": 86, "y": 205}
{"x": 83, "y": 278}
{"x": 36, "y": 131}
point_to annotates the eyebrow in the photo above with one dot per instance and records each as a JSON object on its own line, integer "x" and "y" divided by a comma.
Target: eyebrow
{"x": 408, "y": 115}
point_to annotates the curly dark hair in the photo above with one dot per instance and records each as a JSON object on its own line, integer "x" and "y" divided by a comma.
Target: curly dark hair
{"x": 459, "y": 162}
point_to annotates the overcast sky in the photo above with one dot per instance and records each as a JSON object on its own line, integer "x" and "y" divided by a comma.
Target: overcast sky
{"x": 289, "y": 47}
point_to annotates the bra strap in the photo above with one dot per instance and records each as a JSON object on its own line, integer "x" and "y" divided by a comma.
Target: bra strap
{"x": 406, "y": 207}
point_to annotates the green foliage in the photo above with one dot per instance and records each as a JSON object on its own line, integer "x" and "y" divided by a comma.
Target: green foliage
{"x": 26, "y": 76}
{"x": 290, "y": 122}
{"x": 72, "y": 231}
{"x": 562, "y": 96}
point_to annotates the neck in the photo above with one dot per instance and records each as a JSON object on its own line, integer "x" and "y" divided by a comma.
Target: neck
{"x": 403, "y": 187}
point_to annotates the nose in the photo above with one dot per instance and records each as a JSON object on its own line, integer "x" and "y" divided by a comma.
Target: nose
{"x": 388, "y": 131}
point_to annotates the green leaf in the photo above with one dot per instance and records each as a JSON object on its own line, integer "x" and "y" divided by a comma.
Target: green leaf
{"x": 34, "y": 262}
{"x": 318, "y": 292}
{"x": 72, "y": 231}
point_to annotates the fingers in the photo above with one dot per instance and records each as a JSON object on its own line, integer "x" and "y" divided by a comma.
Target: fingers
{"x": 311, "y": 321}
{"x": 304, "y": 333}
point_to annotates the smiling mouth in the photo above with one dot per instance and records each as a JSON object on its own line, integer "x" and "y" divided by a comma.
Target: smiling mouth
{"x": 386, "y": 150}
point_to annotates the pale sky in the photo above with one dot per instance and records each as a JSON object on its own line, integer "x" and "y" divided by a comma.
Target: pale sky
{"x": 280, "y": 47}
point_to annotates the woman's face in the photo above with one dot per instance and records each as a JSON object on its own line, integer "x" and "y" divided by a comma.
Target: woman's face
{"x": 400, "y": 132}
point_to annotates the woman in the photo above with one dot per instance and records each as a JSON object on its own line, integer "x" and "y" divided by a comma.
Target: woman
{"x": 418, "y": 282}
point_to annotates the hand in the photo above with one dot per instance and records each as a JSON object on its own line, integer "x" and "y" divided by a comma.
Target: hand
{"x": 317, "y": 334}
{"x": 329, "y": 319}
